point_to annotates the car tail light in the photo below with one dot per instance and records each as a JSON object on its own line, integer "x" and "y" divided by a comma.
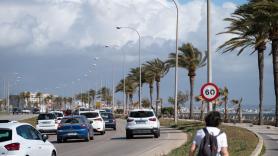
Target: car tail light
{"x": 12, "y": 147}
{"x": 129, "y": 120}
{"x": 152, "y": 119}
{"x": 98, "y": 119}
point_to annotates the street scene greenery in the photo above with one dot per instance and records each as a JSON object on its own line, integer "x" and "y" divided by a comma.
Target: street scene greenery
{"x": 241, "y": 141}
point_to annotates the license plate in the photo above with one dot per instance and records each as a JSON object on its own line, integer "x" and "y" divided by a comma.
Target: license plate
{"x": 140, "y": 122}
{"x": 72, "y": 133}
{"x": 45, "y": 122}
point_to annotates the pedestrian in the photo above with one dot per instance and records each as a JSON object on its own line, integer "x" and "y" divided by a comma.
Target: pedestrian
{"x": 211, "y": 137}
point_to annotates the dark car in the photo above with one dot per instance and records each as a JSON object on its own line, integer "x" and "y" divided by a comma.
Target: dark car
{"x": 109, "y": 119}
{"x": 17, "y": 111}
{"x": 75, "y": 127}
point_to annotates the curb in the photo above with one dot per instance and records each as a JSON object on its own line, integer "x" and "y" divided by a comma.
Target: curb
{"x": 259, "y": 146}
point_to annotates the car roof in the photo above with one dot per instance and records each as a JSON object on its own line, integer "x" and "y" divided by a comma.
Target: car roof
{"x": 74, "y": 116}
{"x": 136, "y": 110}
{"x": 12, "y": 125}
{"x": 89, "y": 111}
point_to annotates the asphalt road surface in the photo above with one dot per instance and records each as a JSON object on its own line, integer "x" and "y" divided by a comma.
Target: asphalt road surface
{"x": 114, "y": 143}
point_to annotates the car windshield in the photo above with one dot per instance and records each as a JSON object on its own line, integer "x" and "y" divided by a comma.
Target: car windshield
{"x": 46, "y": 117}
{"x": 106, "y": 116}
{"x": 90, "y": 114}
{"x": 59, "y": 114}
{"x": 72, "y": 121}
{"x": 141, "y": 114}
{"x": 5, "y": 135}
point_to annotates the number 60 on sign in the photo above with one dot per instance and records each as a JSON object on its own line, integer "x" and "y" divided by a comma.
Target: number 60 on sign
{"x": 209, "y": 91}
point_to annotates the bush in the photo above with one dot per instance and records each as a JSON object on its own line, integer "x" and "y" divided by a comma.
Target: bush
{"x": 168, "y": 110}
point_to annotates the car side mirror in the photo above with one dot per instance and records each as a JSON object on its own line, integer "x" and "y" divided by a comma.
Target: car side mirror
{"x": 91, "y": 122}
{"x": 44, "y": 137}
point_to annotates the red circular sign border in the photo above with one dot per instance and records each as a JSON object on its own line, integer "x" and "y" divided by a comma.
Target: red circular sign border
{"x": 217, "y": 91}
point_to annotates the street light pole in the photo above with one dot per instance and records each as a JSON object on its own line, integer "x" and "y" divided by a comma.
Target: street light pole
{"x": 140, "y": 68}
{"x": 176, "y": 66}
{"x": 209, "y": 69}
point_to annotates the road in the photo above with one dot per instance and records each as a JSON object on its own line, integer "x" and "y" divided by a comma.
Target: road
{"x": 113, "y": 143}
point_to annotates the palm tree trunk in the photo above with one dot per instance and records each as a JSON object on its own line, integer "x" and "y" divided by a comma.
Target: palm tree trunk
{"x": 191, "y": 79}
{"x": 225, "y": 110}
{"x": 275, "y": 73}
{"x": 151, "y": 94}
{"x": 157, "y": 97}
{"x": 261, "y": 78}
{"x": 202, "y": 111}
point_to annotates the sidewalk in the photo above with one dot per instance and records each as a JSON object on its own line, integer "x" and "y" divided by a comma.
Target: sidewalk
{"x": 269, "y": 134}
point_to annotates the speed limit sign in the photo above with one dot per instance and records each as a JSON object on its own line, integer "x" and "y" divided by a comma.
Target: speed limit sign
{"x": 209, "y": 91}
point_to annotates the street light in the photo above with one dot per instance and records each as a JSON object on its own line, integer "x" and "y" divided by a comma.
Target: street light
{"x": 176, "y": 66}
{"x": 140, "y": 69}
{"x": 209, "y": 69}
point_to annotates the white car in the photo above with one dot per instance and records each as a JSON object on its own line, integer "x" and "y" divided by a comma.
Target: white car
{"x": 59, "y": 115}
{"x": 96, "y": 120}
{"x": 47, "y": 122}
{"x": 142, "y": 122}
{"x": 21, "y": 139}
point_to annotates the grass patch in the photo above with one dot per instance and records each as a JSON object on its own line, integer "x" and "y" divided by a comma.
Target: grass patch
{"x": 241, "y": 141}
{"x": 31, "y": 121}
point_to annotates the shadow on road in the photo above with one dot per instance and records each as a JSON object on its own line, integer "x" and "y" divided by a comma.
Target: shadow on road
{"x": 134, "y": 138}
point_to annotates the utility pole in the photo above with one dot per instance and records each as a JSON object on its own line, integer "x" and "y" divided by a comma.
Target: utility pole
{"x": 209, "y": 69}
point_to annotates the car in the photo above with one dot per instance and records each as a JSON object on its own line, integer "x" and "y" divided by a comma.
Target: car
{"x": 79, "y": 110}
{"x": 96, "y": 120}
{"x": 59, "y": 115}
{"x": 26, "y": 111}
{"x": 142, "y": 122}
{"x": 100, "y": 110}
{"x": 108, "y": 110}
{"x": 36, "y": 111}
{"x": 109, "y": 120}
{"x": 22, "y": 139}
{"x": 47, "y": 122}
{"x": 74, "y": 127}
{"x": 16, "y": 110}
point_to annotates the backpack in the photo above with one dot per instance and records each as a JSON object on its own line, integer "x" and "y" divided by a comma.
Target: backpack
{"x": 208, "y": 145}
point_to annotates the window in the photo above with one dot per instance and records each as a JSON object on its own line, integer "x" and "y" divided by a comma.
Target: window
{"x": 46, "y": 116}
{"x": 90, "y": 114}
{"x": 5, "y": 135}
{"x": 141, "y": 114}
{"x": 72, "y": 121}
{"x": 106, "y": 116}
{"x": 28, "y": 132}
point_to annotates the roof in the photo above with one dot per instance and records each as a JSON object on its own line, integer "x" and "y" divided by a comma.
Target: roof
{"x": 74, "y": 116}
{"x": 143, "y": 109}
{"x": 12, "y": 125}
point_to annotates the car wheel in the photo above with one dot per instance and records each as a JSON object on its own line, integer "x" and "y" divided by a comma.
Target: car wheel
{"x": 53, "y": 153}
{"x": 114, "y": 128}
{"x": 59, "y": 140}
{"x": 157, "y": 134}
{"x": 88, "y": 137}
{"x": 129, "y": 135}
{"x": 102, "y": 133}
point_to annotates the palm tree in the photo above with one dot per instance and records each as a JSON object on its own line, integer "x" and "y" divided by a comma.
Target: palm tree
{"x": 134, "y": 76}
{"x": 239, "y": 111}
{"x": 249, "y": 33}
{"x": 39, "y": 96}
{"x": 200, "y": 98}
{"x": 224, "y": 93}
{"x": 158, "y": 69}
{"x": 149, "y": 78}
{"x": 92, "y": 94}
{"x": 266, "y": 14}
{"x": 191, "y": 59}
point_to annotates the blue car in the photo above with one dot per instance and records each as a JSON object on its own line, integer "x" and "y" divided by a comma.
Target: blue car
{"x": 75, "y": 127}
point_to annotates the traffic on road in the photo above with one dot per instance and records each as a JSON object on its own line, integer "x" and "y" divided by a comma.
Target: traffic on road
{"x": 81, "y": 132}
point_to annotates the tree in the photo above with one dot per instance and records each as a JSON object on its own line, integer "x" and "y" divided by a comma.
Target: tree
{"x": 248, "y": 33}
{"x": 158, "y": 69}
{"x": 266, "y": 14}
{"x": 238, "y": 111}
{"x": 182, "y": 99}
{"x": 200, "y": 98}
{"x": 149, "y": 79}
{"x": 191, "y": 59}
{"x": 92, "y": 94}
{"x": 134, "y": 77}
{"x": 224, "y": 94}
{"x": 146, "y": 103}
{"x": 70, "y": 101}
{"x": 105, "y": 94}
{"x": 39, "y": 96}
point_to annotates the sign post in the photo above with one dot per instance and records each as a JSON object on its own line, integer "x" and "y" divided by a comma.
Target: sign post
{"x": 209, "y": 92}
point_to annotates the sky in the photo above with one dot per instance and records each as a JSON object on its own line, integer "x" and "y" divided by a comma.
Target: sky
{"x": 58, "y": 46}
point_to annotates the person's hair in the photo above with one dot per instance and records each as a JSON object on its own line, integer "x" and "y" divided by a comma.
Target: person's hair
{"x": 213, "y": 119}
